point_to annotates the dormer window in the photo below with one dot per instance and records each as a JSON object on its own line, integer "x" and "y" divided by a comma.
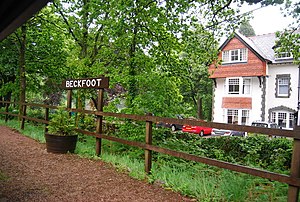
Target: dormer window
{"x": 283, "y": 55}
{"x": 235, "y": 56}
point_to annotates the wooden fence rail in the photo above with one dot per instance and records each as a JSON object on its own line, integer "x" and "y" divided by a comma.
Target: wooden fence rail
{"x": 293, "y": 180}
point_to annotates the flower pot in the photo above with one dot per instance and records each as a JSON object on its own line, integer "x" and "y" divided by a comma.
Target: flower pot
{"x": 60, "y": 144}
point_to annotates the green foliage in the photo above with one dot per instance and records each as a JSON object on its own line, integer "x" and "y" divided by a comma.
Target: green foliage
{"x": 288, "y": 40}
{"x": 61, "y": 123}
{"x": 258, "y": 151}
{"x": 87, "y": 122}
{"x": 246, "y": 29}
{"x": 130, "y": 131}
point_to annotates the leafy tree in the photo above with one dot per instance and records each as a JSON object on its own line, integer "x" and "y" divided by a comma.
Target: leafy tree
{"x": 35, "y": 48}
{"x": 46, "y": 56}
{"x": 246, "y": 29}
{"x": 8, "y": 68}
{"x": 289, "y": 40}
{"x": 156, "y": 51}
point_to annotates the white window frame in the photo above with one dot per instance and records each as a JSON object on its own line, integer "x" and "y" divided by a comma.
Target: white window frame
{"x": 283, "y": 55}
{"x": 238, "y": 115}
{"x": 234, "y": 113}
{"x": 283, "y": 81}
{"x": 283, "y": 119}
{"x": 244, "y": 86}
{"x": 235, "y": 55}
{"x": 246, "y": 89}
{"x": 233, "y": 86}
{"x": 245, "y": 116}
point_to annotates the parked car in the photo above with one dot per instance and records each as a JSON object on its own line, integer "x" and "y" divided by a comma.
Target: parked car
{"x": 223, "y": 132}
{"x": 238, "y": 133}
{"x": 264, "y": 124}
{"x": 173, "y": 126}
{"x": 200, "y": 130}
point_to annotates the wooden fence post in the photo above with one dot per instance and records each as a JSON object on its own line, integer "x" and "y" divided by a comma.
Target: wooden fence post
{"x": 69, "y": 100}
{"x": 24, "y": 106}
{"x": 148, "y": 153}
{"x": 6, "y": 110}
{"x": 293, "y": 192}
{"x": 99, "y": 121}
{"x": 46, "y": 118}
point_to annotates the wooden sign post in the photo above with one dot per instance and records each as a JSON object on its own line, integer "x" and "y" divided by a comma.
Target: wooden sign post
{"x": 96, "y": 83}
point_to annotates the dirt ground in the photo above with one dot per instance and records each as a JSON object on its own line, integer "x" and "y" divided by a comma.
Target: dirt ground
{"x": 29, "y": 173}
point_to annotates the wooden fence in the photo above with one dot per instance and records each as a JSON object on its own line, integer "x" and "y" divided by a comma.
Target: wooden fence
{"x": 293, "y": 180}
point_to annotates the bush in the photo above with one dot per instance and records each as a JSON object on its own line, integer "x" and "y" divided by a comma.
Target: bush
{"x": 258, "y": 151}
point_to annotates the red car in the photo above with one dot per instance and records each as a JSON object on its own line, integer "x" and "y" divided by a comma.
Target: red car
{"x": 200, "y": 130}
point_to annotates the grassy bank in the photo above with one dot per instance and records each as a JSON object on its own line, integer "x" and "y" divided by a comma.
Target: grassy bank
{"x": 205, "y": 183}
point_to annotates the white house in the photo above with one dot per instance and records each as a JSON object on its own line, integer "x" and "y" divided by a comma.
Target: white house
{"x": 253, "y": 83}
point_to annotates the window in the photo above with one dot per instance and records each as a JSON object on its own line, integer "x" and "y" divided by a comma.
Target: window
{"x": 237, "y": 116}
{"x": 233, "y": 86}
{"x": 283, "y": 55}
{"x": 239, "y": 86}
{"x": 246, "y": 86}
{"x": 283, "y": 85}
{"x": 273, "y": 117}
{"x": 291, "y": 121}
{"x": 245, "y": 117}
{"x": 225, "y": 56}
{"x": 283, "y": 119}
{"x": 237, "y": 55}
{"x": 243, "y": 54}
{"x": 234, "y": 55}
{"x": 232, "y": 116}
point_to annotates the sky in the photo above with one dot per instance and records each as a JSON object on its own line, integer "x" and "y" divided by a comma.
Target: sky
{"x": 268, "y": 19}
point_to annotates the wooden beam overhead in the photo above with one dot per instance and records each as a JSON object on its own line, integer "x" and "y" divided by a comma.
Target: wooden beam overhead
{"x": 14, "y": 13}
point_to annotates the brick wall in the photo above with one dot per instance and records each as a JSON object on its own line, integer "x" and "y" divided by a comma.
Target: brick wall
{"x": 253, "y": 67}
{"x": 237, "y": 103}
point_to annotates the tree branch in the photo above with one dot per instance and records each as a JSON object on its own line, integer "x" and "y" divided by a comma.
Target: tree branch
{"x": 67, "y": 23}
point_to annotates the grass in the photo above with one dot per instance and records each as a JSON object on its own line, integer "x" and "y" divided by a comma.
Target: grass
{"x": 3, "y": 177}
{"x": 203, "y": 182}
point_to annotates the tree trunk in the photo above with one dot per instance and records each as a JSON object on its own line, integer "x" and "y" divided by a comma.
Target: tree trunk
{"x": 132, "y": 90}
{"x": 22, "y": 66}
{"x": 200, "y": 115}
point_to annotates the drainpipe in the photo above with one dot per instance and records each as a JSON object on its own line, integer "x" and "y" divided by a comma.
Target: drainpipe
{"x": 263, "y": 85}
{"x": 298, "y": 118}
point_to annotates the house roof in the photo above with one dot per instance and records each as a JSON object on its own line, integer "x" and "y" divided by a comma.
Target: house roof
{"x": 261, "y": 45}
{"x": 264, "y": 44}
{"x": 14, "y": 13}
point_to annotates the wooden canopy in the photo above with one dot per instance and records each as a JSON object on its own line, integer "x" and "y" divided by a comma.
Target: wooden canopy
{"x": 13, "y": 13}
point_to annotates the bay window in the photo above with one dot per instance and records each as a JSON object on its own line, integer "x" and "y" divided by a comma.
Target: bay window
{"x": 283, "y": 119}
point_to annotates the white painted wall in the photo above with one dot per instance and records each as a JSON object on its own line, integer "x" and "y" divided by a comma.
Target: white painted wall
{"x": 272, "y": 101}
{"x": 255, "y": 113}
{"x": 217, "y": 106}
{"x": 273, "y": 70}
{"x": 220, "y": 92}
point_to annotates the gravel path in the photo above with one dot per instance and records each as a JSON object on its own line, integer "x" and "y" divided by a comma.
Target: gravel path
{"x": 29, "y": 173}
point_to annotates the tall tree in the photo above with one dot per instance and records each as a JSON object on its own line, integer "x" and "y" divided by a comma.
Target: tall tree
{"x": 8, "y": 68}
{"x": 38, "y": 47}
{"x": 246, "y": 29}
